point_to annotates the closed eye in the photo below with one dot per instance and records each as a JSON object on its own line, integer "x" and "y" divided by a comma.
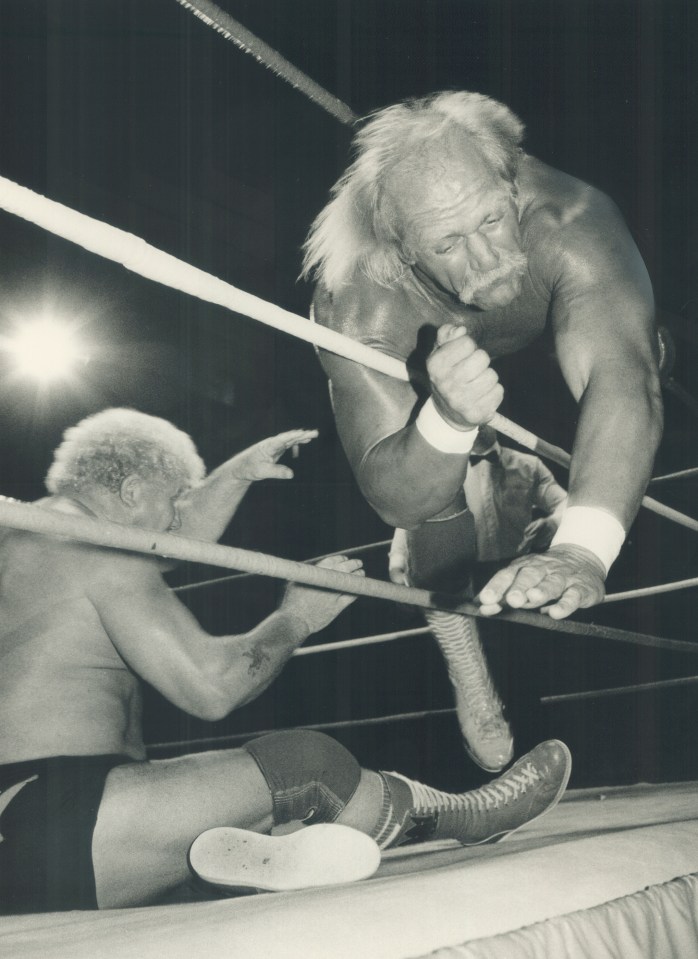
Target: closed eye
{"x": 446, "y": 246}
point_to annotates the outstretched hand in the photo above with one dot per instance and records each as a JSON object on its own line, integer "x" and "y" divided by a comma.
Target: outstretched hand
{"x": 261, "y": 461}
{"x": 558, "y": 582}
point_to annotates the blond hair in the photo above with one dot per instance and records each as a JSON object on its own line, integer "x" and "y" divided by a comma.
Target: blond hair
{"x": 105, "y": 448}
{"x": 355, "y": 229}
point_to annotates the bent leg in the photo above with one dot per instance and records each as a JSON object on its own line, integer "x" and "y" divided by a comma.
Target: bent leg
{"x": 151, "y": 812}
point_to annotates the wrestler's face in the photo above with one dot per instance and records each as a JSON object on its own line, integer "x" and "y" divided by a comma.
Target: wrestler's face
{"x": 156, "y": 505}
{"x": 460, "y": 227}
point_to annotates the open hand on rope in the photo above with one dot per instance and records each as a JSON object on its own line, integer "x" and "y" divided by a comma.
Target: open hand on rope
{"x": 558, "y": 582}
{"x": 319, "y": 607}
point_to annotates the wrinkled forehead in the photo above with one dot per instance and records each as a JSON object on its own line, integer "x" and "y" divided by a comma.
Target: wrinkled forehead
{"x": 439, "y": 173}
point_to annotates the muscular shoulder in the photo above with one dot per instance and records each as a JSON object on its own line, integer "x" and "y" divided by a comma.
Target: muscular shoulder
{"x": 574, "y": 233}
{"x": 388, "y": 319}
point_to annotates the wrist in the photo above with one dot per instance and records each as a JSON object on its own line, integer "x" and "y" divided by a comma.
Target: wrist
{"x": 442, "y": 435}
{"x": 593, "y": 529}
{"x": 296, "y": 622}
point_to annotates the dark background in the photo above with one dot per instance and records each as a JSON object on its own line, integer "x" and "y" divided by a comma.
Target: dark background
{"x": 138, "y": 114}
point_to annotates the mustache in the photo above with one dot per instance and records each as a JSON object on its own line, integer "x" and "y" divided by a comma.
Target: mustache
{"x": 511, "y": 265}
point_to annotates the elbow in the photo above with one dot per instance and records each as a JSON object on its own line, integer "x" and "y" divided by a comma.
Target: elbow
{"x": 212, "y": 710}
{"x": 207, "y": 697}
{"x": 209, "y": 706}
{"x": 401, "y": 503}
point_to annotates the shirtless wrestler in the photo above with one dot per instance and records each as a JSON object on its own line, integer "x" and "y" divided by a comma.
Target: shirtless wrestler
{"x": 86, "y": 819}
{"x": 445, "y": 245}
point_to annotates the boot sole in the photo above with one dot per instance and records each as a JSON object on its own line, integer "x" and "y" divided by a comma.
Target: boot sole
{"x": 322, "y": 855}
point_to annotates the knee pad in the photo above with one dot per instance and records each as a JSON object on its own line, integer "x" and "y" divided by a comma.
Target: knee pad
{"x": 311, "y": 776}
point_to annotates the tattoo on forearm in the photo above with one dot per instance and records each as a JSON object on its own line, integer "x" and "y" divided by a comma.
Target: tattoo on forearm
{"x": 258, "y": 659}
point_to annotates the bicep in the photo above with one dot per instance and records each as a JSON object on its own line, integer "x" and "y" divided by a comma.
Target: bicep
{"x": 603, "y": 308}
{"x": 153, "y": 632}
{"x": 368, "y": 406}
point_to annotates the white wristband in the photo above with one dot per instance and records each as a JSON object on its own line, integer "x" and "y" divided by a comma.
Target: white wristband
{"x": 595, "y": 529}
{"x": 440, "y": 434}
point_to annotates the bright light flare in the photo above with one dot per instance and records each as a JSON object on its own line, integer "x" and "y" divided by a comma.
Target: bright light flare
{"x": 46, "y": 349}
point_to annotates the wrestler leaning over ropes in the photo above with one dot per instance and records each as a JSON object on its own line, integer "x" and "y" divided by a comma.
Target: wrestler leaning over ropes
{"x": 87, "y": 821}
{"x": 445, "y": 245}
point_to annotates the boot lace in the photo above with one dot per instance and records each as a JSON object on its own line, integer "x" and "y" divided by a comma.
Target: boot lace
{"x": 467, "y": 668}
{"x": 492, "y": 796}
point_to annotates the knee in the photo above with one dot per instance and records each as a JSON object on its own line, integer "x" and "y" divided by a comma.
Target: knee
{"x": 310, "y": 775}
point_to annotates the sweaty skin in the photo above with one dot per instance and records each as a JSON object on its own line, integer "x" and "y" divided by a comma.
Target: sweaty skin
{"x": 585, "y": 282}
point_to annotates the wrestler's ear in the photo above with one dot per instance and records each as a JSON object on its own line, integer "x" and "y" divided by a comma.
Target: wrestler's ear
{"x": 129, "y": 491}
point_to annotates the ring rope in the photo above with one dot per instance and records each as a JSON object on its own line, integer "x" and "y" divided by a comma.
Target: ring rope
{"x": 362, "y": 641}
{"x": 682, "y": 474}
{"x": 339, "y": 724}
{"x": 404, "y": 717}
{"x": 234, "y": 31}
{"x": 351, "y": 551}
{"x": 619, "y": 690}
{"x": 651, "y": 590}
{"x": 38, "y": 519}
{"x": 141, "y": 258}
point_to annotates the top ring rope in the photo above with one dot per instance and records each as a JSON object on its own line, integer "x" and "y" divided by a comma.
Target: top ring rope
{"x": 224, "y": 24}
{"x": 141, "y": 258}
{"x": 38, "y": 519}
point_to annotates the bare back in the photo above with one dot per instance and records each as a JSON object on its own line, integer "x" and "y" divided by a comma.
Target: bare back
{"x": 64, "y": 688}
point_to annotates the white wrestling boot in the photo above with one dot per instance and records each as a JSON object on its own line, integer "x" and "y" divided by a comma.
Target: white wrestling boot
{"x": 322, "y": 855}
{"x": 486, "y": 734}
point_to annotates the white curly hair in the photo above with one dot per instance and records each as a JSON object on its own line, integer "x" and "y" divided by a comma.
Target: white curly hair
{"x": 355, "y": 228}
{"x": 105, "y": 448}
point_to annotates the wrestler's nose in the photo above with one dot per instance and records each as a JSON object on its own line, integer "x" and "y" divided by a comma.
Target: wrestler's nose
{"x": 482, "y": 257}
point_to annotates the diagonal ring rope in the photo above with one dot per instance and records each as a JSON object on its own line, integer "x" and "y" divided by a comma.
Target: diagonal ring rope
{"x": 38, "y": 519}
{"x": 234, "y": 31}
{"x": 138, "y": 256}
{"x": 339, "y": 724}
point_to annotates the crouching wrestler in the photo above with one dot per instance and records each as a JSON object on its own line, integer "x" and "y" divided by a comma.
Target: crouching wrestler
{"x": 86, "y": 819}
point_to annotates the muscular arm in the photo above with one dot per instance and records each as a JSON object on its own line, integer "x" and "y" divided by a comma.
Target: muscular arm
{"x": 207, "y": 676}
{"x": 603, "y": 322}
{"x": 206, "y": 510}
{"x": 406, "y": 479}
{"x": 402, "y": 476}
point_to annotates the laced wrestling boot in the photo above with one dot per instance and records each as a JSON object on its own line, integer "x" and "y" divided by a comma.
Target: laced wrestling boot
{"x": 321, "y": 855}
{"x": 532, "y": 787}
{"x": 486, "y": 734}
